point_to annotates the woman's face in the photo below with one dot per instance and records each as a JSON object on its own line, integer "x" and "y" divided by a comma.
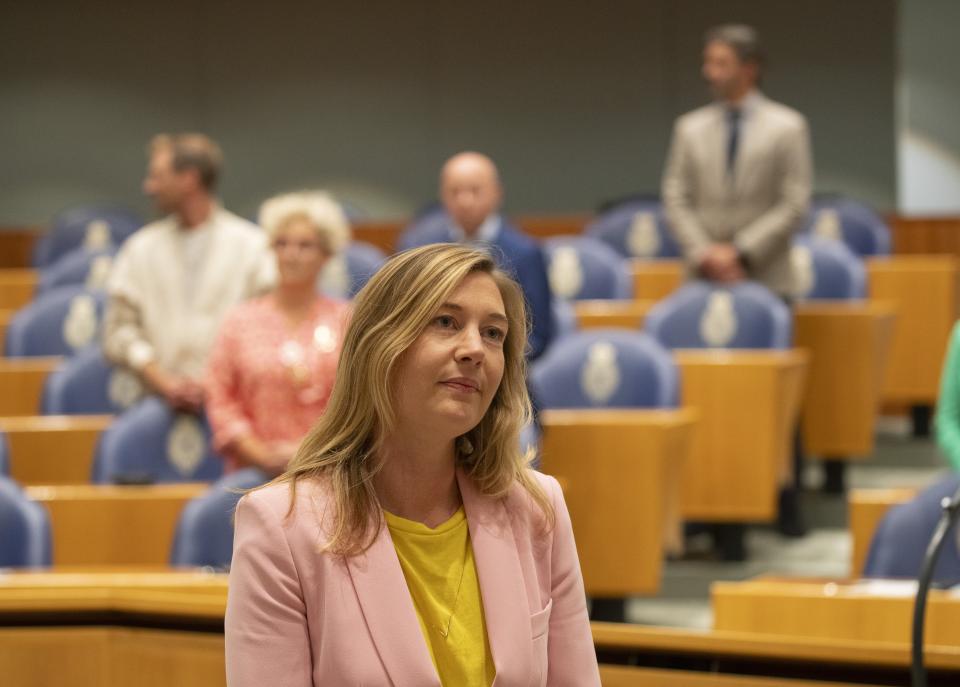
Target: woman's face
{"x": 300, "y": 254}
{"x": 447, "y": 378}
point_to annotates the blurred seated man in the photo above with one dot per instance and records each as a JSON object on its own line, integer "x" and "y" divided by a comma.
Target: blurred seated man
{"x": 175, "y": 278}
{"x": 471, "y": 194}
{"x": 273, "y": 364}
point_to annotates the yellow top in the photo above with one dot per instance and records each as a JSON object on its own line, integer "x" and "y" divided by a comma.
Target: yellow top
{"x": 442, "y": 577}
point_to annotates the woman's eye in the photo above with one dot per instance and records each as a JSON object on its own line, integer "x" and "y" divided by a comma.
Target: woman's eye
{"x": 444, "y": 321}
{"x": 495, "y": 333}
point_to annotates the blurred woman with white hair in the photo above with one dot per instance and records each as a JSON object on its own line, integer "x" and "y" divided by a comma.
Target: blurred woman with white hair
{"x": 272, "y": 367}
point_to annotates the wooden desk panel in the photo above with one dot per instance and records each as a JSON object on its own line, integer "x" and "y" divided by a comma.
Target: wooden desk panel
{"x": 926, "y": 235}
{"x": 865, "y": 509}
{"x": 629, "y": 676}
{"x": 17, "y": 287}
{"x": 865, "y": 612}
{"x": 16, "y": 245}
{"x": 924, "y": 289}
{"x": 747, "y": 403}
{"x": 656, "y": 279}
{"x": 546, "y": 226}
{"x": 849, "y": 344}
{"x": 97, "y": 524}
{"x": 5, "y": 317}
{"x": 52, "y": 449}
{"x": 604, "y": 314}
{"x": 621, "y": 470}
{"x": 21, "y": 384}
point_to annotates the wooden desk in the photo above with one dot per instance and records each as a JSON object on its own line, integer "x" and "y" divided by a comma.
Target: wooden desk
{"x": 849, "y": 342}
{"x": 870, "y": 611}
{"x": 17, "y": 287}
{"x": 865, "y": 509}
{"x": 604, "y": 314}
{"x": 924, "y": 289}
{"x": 656, "y": 279}
{"x": 747, "y": 403}
{"x": 52, "y": 449}
{"x": 21, "y": 384}
{"x": 154, "y": 629}
{"x": 621, "y": 469}
{"x": 96, "y": 524}
{"x": 718, "y": 658}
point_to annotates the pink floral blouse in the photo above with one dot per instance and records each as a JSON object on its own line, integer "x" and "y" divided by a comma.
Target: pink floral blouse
{"x": 268, "y": 378}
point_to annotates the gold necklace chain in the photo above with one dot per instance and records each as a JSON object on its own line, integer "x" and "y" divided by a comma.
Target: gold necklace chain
{"x": 445, "y": 632}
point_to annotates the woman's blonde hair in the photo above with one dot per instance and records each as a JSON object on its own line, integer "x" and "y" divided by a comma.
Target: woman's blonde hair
{"x": 318, "y": 208}
{"x": 389, "y": 313}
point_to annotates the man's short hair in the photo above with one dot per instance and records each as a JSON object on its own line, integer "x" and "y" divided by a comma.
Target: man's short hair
{"x": 742, "y": 38}
{"x": 192, "y": 151}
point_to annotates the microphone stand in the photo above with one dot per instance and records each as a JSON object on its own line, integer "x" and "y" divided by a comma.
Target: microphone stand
{"x": 951, "y": 511}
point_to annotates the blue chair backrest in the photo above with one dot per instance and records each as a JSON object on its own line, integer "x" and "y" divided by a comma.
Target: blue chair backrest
{"x": 61, "y": 322}
{"x": 348, "y": 272}
{"x": 4, "y": 455}
{"x": 704, "y": 315}
{"x": 204, "y": 535}
{"x": 151, "y": 442}
{"x": 825, "y": 269}
{"x": 93, "y": 226}
{"x": 900, "y": 540}
{"x": 25, "y": 529}
{"x": 606, "y": 368}
{"x": 564, "y": 318}
{"x": 580, "y": 267}
{"x": 636, "y": 229}
{"x": 429, "y": 222}
{"x": 86, "y": 384}
{"x": 87, "y": 266}
{"x": 857, "y": 225}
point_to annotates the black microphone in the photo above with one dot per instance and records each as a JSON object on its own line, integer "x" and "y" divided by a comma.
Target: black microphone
{"x": 948, "y": 518}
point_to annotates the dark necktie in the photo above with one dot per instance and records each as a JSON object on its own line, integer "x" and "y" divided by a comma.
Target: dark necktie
{"x": 733, "y": 137}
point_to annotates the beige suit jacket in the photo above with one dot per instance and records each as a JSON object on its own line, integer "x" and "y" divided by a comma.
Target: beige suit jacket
{"x": 759, "y": 205}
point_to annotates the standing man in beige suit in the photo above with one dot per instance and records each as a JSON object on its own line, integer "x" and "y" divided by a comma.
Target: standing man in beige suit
{"x": 735, "y": 189}
{"x": 737, "y": 180}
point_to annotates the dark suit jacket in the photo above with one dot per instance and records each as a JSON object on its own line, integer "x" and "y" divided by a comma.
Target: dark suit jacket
{"x": 516, "y": 254}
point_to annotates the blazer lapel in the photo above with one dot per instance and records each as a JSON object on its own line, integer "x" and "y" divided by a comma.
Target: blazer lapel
{"x": 390, "y": 615}
{"x": 505, "y": 604}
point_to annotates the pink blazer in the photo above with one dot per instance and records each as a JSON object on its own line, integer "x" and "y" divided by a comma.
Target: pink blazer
{"x": 299, "y": 617}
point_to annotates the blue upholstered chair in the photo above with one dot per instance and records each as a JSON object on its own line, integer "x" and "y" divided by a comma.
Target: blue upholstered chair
{"x": 204, "y": 535}
{"x": 347, "y": 273}
{"x": 826, "y": 269}
{"x": 25, "y": 529}
{"x": 635, "y": 229}
{"x": 152, "y": 443}
{"x": 854, "y": 223}
{"x": 900, "y": 540}
{"x": 61, "y": 322}
{"x": 580, "y": 267}
{"x": 86, "y": 384}
{"x": 87, "y": 266}
{"x": 606, "y": 368}
{"x": 93, "y": 226}
{"x": 704, "y": 315}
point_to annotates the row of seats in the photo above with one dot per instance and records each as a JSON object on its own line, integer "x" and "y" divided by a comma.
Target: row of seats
{"x": 203, "y": 536}
{"x": 66, "y": 319}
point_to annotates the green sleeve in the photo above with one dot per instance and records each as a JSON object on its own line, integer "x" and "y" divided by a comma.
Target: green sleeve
{"x": 948, "y": 405}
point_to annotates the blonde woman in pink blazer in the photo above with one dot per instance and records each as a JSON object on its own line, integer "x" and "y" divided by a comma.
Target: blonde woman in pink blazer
{"x": 408, "y": 543}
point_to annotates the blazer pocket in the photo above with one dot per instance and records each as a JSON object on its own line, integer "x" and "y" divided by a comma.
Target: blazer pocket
{"x": 540, "y": 621}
